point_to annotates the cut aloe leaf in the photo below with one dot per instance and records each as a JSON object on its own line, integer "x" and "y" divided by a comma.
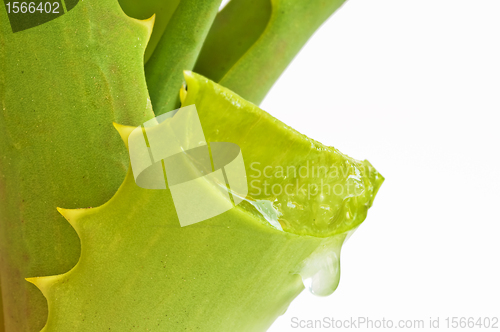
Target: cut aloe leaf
{"x": 316, "y": 189}
{"x": 62, "y": 84}
{"x": 232, "y": 272}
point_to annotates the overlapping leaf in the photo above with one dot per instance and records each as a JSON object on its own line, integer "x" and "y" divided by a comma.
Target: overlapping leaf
{"x": 252, "y": 42}
{"x": 62, "y": 84}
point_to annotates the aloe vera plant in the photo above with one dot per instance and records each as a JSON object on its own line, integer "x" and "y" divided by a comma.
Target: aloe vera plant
{"x": 126, "y": 262}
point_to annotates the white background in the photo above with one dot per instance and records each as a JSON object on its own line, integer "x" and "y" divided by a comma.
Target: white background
{"x": 414, "y": 87}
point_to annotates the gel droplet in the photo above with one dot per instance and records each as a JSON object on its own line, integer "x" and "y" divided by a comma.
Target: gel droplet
{"x": 322, "y": 275}
{"x": 320, "y": 272}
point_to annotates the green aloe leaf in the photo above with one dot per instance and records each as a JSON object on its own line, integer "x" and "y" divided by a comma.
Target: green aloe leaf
{"x": 231, "y": 272}
{"x": 235, "y": 29}
{"x": 249, "y": 65}
{"x": 2, "y": 324}
{"x": 178, "y": 50}
{"x": 144, "y": 9}
{"x": 62, "y": 84}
